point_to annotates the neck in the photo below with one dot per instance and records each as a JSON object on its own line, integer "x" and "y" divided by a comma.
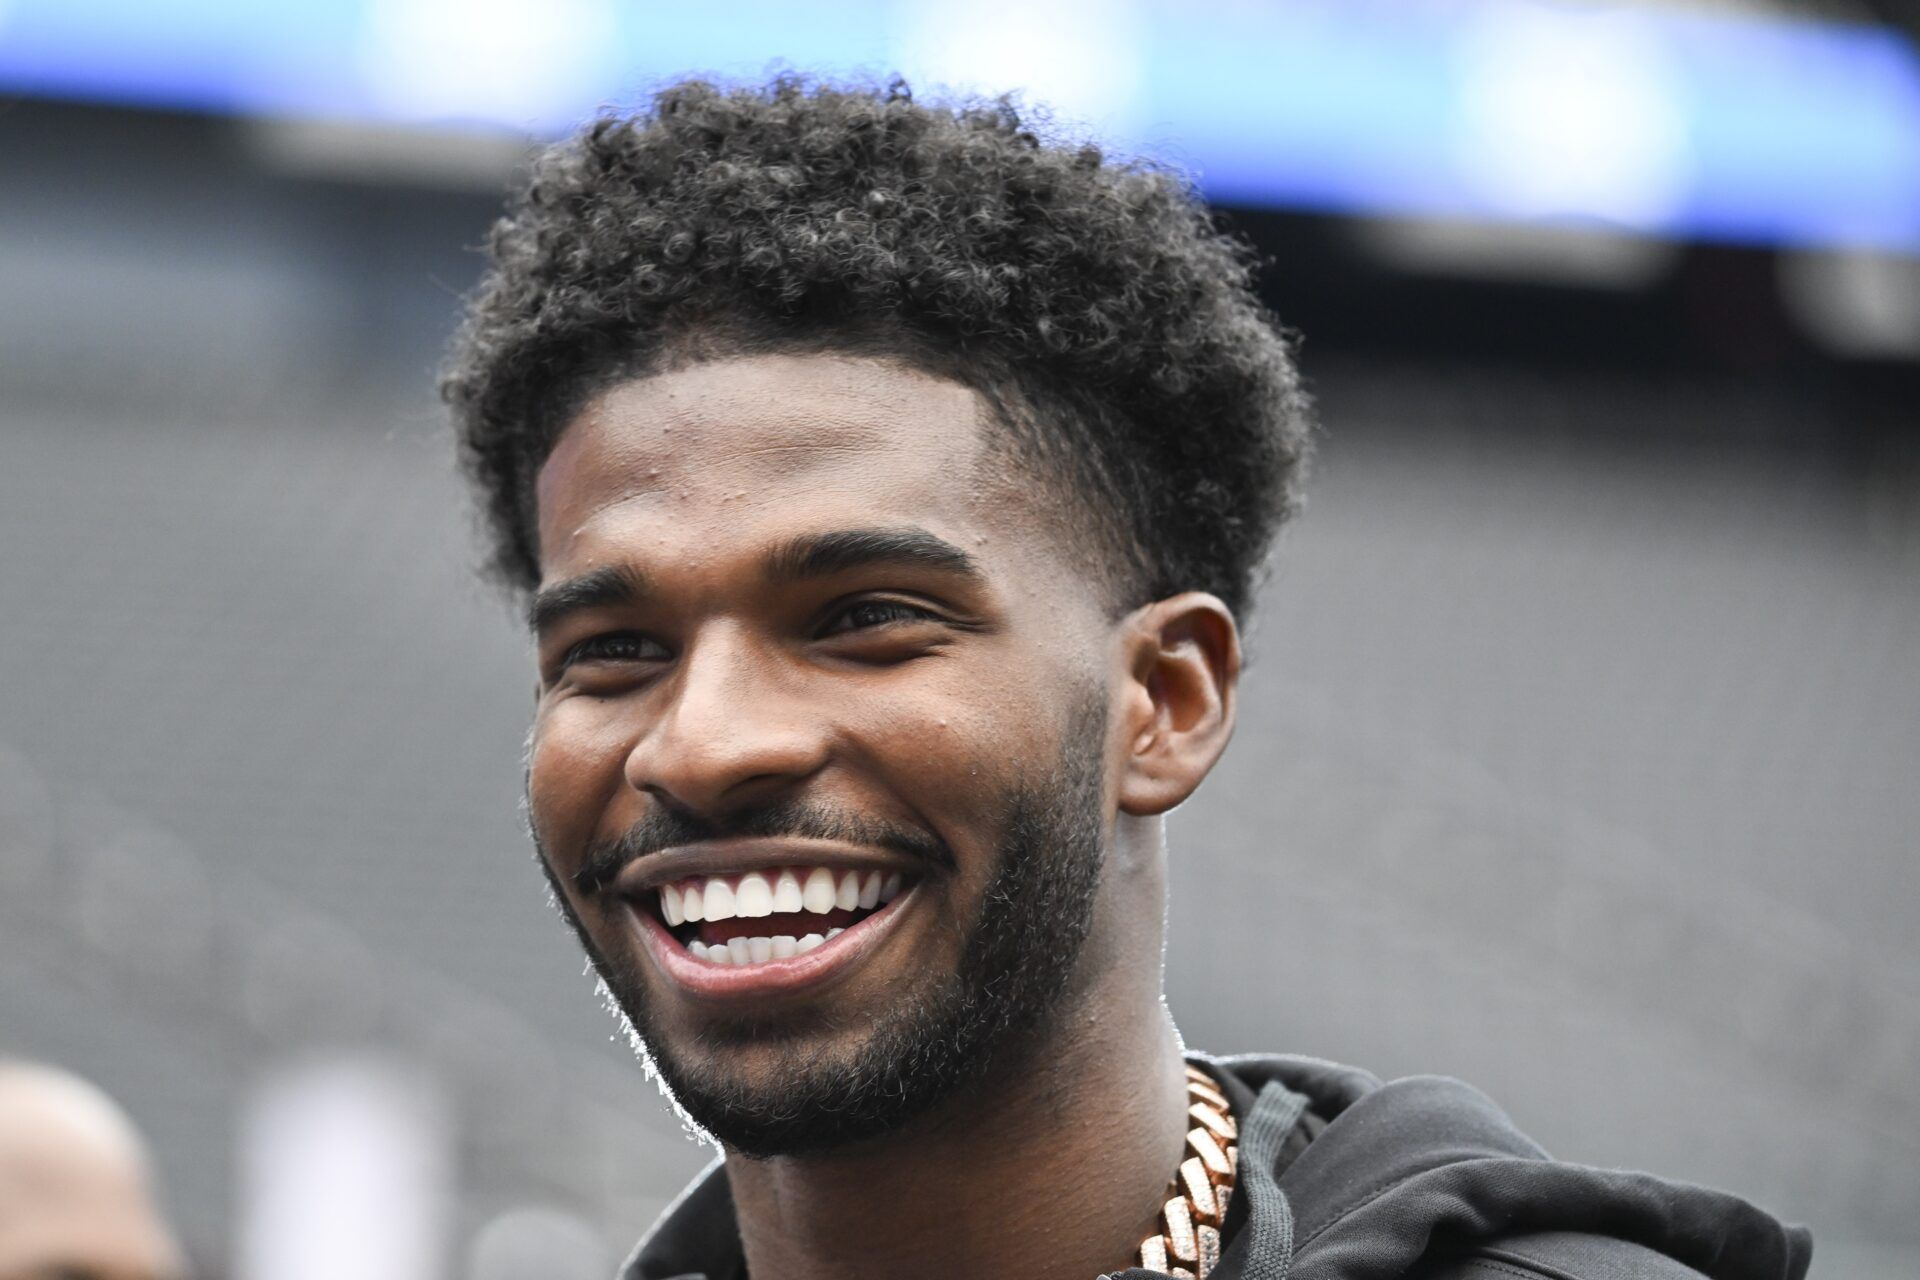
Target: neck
{"x": 1056, "y": 1172}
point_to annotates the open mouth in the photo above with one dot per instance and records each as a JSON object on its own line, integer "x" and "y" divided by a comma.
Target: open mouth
{"x": 761, "y": 916}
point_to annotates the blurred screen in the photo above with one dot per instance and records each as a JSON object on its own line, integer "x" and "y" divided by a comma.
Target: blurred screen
{"x": 1743, "y": 126}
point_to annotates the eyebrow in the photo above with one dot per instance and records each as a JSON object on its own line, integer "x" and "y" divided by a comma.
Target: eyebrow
{"x": 798, "y": 559}
{"x": 609, "y": 586}
{"x": 820, "y": 555}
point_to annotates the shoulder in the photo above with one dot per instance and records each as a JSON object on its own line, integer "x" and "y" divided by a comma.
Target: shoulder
{"x": 1555, "y": 1255}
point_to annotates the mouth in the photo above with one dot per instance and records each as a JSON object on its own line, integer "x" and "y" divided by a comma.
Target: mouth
{"x": 759, "y": 931}
{"x": 757, "y": 917}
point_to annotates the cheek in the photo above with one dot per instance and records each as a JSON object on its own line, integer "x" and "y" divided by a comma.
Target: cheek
{"x": 954, "y": 762}
{"x": 574, "y": 774}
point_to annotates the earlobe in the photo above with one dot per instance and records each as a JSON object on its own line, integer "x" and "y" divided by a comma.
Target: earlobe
{"x": 1183, "y": 661}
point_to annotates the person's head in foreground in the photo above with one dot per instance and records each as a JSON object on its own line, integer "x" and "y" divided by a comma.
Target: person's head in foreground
{"x": 76, "y": 1197}
{"x": 888, "y": 484}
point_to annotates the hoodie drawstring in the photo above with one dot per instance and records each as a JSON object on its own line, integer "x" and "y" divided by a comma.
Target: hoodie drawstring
{"x": 1269, "y": 1225}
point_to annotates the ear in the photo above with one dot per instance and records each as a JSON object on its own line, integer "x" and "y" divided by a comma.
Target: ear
{"x": 1183, "y": 669}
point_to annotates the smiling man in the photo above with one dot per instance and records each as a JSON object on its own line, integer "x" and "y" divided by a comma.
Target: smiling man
{"x": 887, "y": 487}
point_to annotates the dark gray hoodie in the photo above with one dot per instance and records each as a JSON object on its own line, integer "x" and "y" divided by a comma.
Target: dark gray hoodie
{"x": 1423, "y": 1177}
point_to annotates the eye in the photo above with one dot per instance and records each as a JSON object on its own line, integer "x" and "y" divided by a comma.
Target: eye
{"x": 616, "y": 646}
{"x": 865, "y": 615}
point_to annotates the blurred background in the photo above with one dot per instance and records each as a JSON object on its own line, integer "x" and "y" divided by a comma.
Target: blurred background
{"x": 1581, "y": 746}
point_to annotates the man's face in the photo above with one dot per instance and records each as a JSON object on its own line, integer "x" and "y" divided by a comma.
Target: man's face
{"x": 813, "y": 659}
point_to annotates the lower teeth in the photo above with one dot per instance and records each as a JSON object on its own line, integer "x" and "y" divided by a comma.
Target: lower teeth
{"x": 759, "y": 950}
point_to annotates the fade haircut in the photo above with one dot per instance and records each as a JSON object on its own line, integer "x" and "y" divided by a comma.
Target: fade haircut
{"x": 1112, "y": 329}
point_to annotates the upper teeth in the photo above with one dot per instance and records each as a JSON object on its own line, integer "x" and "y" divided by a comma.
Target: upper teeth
{"x": 758, "y": 893}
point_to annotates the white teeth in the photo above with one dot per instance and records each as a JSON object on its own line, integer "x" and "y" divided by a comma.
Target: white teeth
{"x": 818, "y": 895}
{"x": 756, "y": 894}
{"x": 718, "y": 899}
{"x": 698, "y": 948}
{"x": 834, "y": 933}
{"x": 753, "y": 897}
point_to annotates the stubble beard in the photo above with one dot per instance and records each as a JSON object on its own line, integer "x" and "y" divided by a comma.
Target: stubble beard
{"x": 985, "y": 1019}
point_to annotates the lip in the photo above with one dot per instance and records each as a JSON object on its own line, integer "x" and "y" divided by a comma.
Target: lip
{"x": 736, "y": 857}
{"x": 825, "y": 963}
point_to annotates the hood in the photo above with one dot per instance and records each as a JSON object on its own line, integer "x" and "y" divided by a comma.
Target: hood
{"x": 1428, "y": 1167}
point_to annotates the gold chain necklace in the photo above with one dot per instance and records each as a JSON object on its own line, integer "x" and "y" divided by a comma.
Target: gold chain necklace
{"x": 1188, "y": 1246}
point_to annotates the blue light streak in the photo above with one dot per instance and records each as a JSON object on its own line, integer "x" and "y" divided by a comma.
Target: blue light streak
{"x": 1665, "y": 123}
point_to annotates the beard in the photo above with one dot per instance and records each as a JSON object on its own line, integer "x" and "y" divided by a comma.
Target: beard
{"x": 1017, "y": 973}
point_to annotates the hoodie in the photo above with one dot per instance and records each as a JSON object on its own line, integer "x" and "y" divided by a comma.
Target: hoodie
{"x": 1344, "y": 1178}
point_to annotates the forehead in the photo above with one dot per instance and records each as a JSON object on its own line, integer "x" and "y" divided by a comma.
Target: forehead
{"x": 702, "y": 455}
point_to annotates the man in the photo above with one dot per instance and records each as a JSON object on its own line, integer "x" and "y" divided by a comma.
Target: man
{"x": 888, "y": 486}
{"x": 76, "y": 1199}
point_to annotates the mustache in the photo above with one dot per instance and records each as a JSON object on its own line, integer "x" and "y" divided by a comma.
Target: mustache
{"x": 665, "y": 829}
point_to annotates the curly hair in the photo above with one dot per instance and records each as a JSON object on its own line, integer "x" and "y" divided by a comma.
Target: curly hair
{"x": 1111, "y": 326}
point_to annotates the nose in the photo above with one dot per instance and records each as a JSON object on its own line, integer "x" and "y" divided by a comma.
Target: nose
{"x": 732, "y": 731}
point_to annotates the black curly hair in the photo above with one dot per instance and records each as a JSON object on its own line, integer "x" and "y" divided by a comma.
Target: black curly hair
{"x": 1112, "y": 328}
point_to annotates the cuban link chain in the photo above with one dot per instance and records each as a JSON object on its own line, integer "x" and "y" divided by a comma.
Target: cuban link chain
{"x": 1188, "y": 1246}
